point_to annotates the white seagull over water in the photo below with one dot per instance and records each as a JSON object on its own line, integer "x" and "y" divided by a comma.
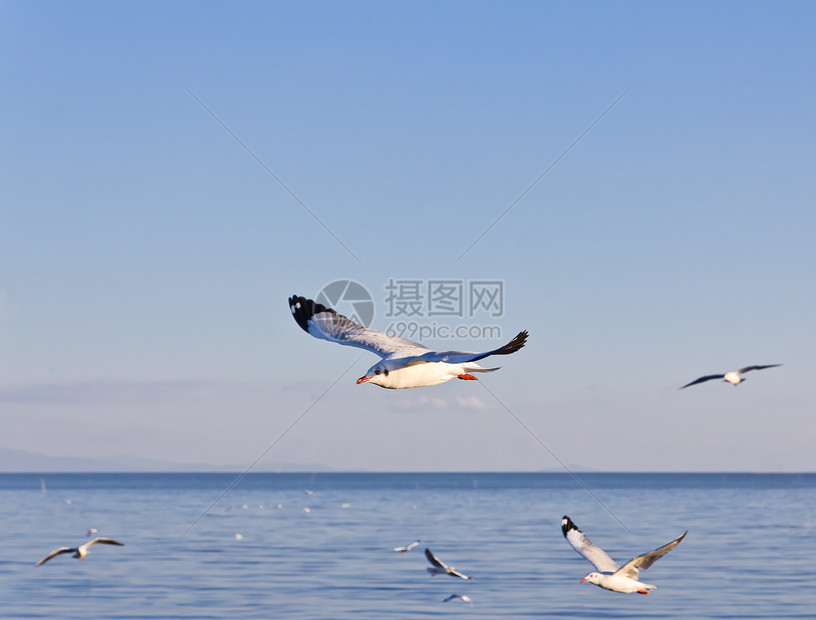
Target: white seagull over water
{"x": 81, "y": 551}
{"x": 404, "y": 364}
{"x": 733, "y": 377}
{"x": 463, "y": 597}
{"x": 611, "y": 576}
{"x": 440, "y": 568}
{"x": 406, "y": 547}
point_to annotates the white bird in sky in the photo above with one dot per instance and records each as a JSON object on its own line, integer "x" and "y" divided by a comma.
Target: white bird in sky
{"x": 404, "y": 364}
{"x": 406, "y": 547}
{"x": 81, "y": 551}
{"x": 733, "y": 377}
{"x": 611, "y": 576}
{"x": 440, "y": 568}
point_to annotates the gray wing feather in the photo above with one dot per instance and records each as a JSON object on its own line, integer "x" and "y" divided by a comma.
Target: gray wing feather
{"x": 630, "y": 569}
{"x": 456, "y": 573}
{"x": 463, "y": 357}
{"x": 747, "y": 368}
{"x": 326, "y": 324}
{"x": 434, "y": 560}
{"x": 703, "y": 380}
{"x": 103, "y": 540}
{"x": 55, "y": 553}
{"x": 586, "y": 547}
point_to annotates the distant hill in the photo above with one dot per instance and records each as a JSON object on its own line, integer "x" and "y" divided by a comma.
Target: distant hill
{"x": 21, "y": 461}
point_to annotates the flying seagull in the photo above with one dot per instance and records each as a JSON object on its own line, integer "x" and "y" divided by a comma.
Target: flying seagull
{"x": 611, "y": 576}
{"x": 81, "y": 551}
{"x": 404, "y": 364}
{"x": 440, "y": 568}
{"x": 406, "y": 547}
{"x": 463, "y": 597}
{"x": 732, "y": 377}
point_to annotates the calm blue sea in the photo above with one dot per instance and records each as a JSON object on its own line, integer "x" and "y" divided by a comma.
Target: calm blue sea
{"x": 749, "y": 552}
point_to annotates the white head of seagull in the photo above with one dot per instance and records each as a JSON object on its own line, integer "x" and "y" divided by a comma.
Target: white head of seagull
{"x": 79, "y": 552}
{"x": 438, "y": 567}
{"x": 734, "y": 377}
{"x": 610, "y": 576}
{"x": 404, "y": 364}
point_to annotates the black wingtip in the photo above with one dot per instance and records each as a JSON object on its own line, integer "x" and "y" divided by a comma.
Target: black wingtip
{"x": 304, "y": 309}
{"x": 567, "y": 525}
{"x": 514, "y": 345}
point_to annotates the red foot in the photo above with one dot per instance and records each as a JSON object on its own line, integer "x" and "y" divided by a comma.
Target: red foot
{"x": 468, "y": 378}
{"x": 643, "y": 592}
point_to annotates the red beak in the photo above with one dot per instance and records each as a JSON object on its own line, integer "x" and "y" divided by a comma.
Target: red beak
{"x": 583, "y": 580}
{"x": 363, "y": 380}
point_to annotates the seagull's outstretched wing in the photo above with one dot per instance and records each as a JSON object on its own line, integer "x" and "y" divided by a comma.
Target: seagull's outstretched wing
{"x": 455, "y": 573}
{"x": 55, "y": 553}
{"x": 434, "y": 560}
{"x": 462, "y": 357}
{"x": 630, "y": 569}
{"x": 749, "y": 368}
{"x": 322, "y": 322}
{"x": 103, "y": 540}
{"x": 586, "y": 547}
{"x": 703, "y": 380}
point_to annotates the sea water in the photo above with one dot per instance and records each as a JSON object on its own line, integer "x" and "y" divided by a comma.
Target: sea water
{"x": 327, "y": 554}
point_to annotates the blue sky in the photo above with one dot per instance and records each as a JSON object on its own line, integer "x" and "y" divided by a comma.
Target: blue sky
{"x": 146, "y": 257}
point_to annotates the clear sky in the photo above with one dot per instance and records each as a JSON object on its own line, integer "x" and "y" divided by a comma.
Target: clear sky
{"x": 146, "y": 257}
